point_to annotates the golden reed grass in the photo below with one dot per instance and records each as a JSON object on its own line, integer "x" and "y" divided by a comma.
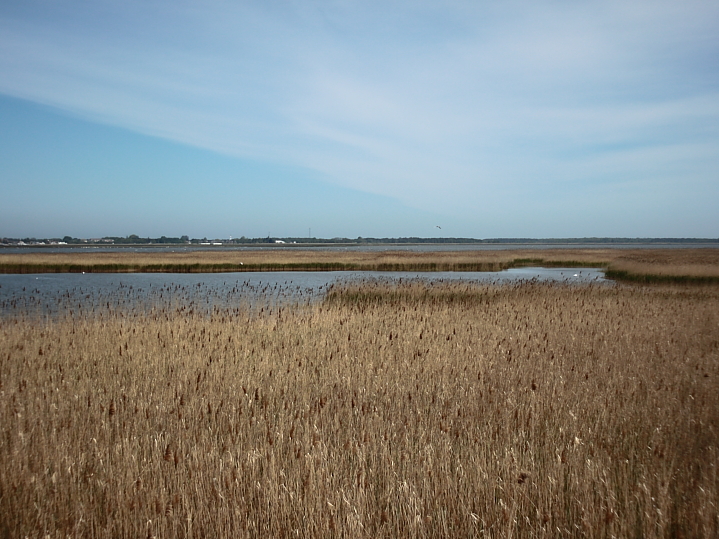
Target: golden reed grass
{"x": 252, "y": 260}
{"x": 414, "y": 410}
{"x": 697, "y": 265}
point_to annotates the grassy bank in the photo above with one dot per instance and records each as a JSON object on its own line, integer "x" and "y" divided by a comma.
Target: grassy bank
{"x": 385, "y": 411}
{"x": 639, "y": 265}
{"x": 259, "y": 260}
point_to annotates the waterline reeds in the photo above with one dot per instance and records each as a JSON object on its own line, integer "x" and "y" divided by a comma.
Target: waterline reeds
{"x": 639, "y": 265}
{"x": 413, "y": 410}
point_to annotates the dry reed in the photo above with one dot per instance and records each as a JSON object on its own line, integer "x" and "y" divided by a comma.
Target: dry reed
{"x": 445, "y": 410}
{"x": 646, "y": 265}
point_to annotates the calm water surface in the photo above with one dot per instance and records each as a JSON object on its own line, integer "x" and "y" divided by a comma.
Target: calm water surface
{"x": 55, "y": 293}
{"x": 416, "y": 247}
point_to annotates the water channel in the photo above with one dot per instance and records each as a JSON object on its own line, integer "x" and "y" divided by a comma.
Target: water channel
{"x": 53, "y": 293}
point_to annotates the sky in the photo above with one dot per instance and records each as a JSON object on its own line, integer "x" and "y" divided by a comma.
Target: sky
{"x": 343, "y": 118}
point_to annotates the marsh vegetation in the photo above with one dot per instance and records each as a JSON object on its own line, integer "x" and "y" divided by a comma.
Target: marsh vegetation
{"x": 698, "y": 266}
{"x": 385, "y": 410}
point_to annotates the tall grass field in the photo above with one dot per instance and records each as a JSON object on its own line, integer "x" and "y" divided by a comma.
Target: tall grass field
{"x": 383, "y": 410}
{"x": 688, "y": 266}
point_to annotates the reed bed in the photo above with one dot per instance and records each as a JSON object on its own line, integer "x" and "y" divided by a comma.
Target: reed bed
{"x": 698, "y": 266}
{"x": 667, "y": 265}
{"x": 255, "y": 260}
{"x": 386, "y": 410}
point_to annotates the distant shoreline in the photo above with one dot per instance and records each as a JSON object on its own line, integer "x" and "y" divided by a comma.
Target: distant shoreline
{"x": 288, "y": 242}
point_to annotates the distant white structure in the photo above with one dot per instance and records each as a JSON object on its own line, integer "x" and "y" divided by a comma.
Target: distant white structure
{"x": 279, "y": 241}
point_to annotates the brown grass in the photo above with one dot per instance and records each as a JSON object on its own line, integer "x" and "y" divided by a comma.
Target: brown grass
{"x": 528, "y": 410}
{"x": 694, "y": 263}
{"x": 650, "y": 265}
{"x": 253, "y": 260}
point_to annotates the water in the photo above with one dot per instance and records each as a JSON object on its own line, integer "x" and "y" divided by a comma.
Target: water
{"x": 415, "y": 247}
{"x": 73, "y": 293}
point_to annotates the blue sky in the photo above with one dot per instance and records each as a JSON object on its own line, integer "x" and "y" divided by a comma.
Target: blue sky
{"x": 490, "y": 119}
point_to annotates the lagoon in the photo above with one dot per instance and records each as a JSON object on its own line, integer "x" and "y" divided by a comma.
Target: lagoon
{"x": 58, "y": 293}
{"x": 349, "y": 247}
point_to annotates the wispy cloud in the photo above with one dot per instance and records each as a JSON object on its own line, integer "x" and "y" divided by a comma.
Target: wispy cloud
{"x": 458, "y": 105}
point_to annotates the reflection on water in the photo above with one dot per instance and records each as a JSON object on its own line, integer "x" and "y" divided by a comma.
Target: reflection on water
{"x": 73, "y": 293}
